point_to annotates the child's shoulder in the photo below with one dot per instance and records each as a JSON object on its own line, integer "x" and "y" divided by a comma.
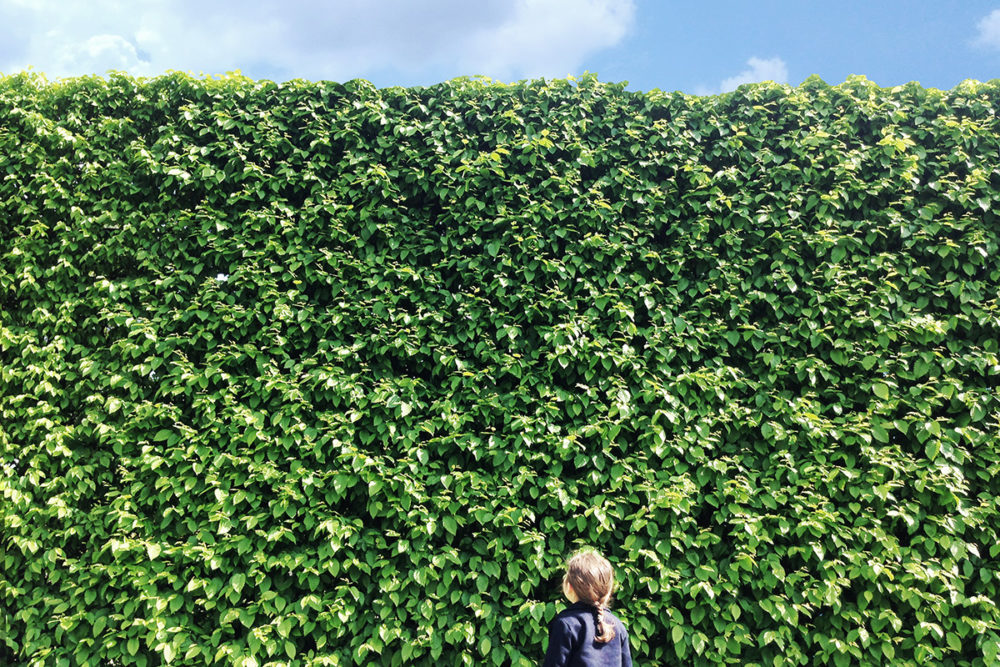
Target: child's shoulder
{"x": 574, "y": 610}
{"x": 570, "y": 620}
{"x": 619, "y": 625}
{"x": 578, "y": 610}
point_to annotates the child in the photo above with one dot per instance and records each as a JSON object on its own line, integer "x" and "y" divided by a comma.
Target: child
{"x": 586, "y": 634}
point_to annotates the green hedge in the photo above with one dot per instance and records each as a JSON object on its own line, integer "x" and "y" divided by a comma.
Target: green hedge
{"x": 320, "y": 374}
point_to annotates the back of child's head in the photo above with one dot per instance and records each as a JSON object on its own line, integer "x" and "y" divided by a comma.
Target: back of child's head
{"x": 593, "y": 580}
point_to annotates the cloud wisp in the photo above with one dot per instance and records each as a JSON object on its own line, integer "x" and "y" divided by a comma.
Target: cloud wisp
{"x": 988, "y": 31}
{"x": 549, "y": 37}
{"x": 757, "y": 70}
{"x": 339, "y": 39}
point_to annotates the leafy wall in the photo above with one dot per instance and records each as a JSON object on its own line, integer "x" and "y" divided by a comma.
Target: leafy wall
{"x": 315, "y": 373}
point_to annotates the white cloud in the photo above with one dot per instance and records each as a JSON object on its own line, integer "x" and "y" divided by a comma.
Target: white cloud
{"x": 332, "y": 39}
{"x": 988, "y": 30}
{"x": 98, "y": 54}
{"x": 549, "y": 37}
{"x": 758, "y": 69}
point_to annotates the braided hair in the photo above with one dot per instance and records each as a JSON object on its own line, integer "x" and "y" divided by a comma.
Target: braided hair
{"x": 593, "y": 579}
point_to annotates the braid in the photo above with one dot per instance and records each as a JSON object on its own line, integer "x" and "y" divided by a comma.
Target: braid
{"x": 603, "y": 632}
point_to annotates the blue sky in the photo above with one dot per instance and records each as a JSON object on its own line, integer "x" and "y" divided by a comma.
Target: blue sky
{"x": 696, "y": 47}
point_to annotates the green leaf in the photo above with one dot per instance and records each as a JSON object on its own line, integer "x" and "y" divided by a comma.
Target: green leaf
{"x": 879, "y": 433}
{"x": 698, "y": 642}
{"x": 888, "y": 651}
{"x": 990, "y": 650}
{"x": 932, "y": 448}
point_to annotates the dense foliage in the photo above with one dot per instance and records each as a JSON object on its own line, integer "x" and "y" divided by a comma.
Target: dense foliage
{"x": 312, "y": 373}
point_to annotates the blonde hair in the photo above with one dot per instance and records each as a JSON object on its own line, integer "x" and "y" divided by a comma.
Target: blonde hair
{"x": 593, "y": 580}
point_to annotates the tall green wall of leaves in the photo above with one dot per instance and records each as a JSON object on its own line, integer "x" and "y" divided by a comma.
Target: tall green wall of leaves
{"x": 322, "y": 374}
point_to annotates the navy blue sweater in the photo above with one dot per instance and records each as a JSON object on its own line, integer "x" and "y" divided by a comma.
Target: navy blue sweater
{"x": 572, "y": 644}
